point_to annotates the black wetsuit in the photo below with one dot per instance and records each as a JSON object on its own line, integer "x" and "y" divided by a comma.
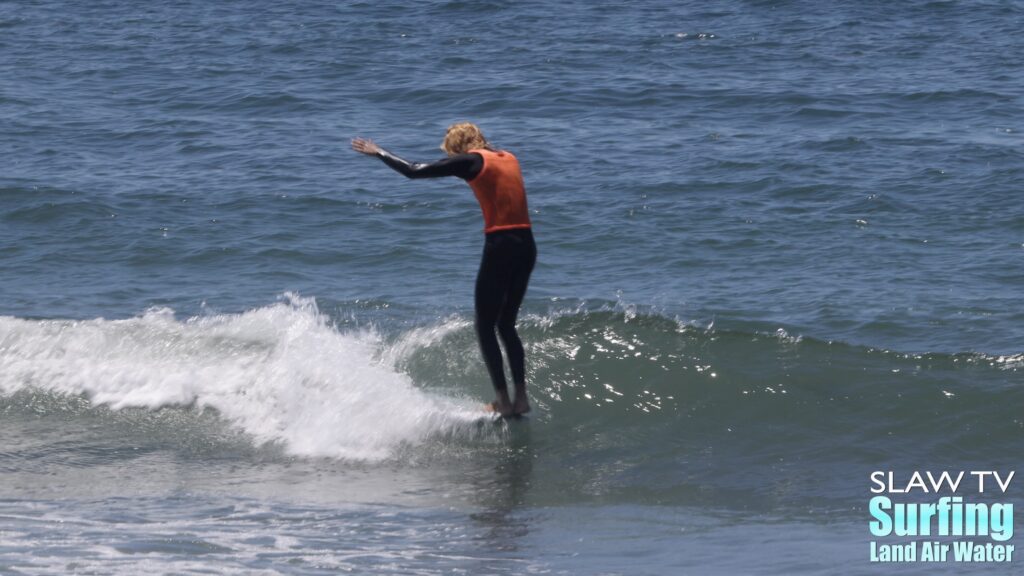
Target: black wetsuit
{"x": 508, "y": 259}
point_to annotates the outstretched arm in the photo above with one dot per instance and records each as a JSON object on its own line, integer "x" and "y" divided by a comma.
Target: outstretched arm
{"x": 465, "y": 166}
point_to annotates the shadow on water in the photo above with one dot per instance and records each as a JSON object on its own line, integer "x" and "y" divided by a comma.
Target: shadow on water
{"x": 501, "y": 491}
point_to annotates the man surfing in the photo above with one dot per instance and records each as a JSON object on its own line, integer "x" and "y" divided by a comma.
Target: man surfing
{"x": 509, "y": 250}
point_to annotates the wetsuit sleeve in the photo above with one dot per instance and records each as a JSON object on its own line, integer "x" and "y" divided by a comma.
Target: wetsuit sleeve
{"x": 465, "y": 166}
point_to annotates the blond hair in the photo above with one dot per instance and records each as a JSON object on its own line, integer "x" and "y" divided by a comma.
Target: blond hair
{"x": 463, "y": 137}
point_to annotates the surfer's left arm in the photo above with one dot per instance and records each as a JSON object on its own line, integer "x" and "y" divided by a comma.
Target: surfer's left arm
{"x": 465, "y": 166}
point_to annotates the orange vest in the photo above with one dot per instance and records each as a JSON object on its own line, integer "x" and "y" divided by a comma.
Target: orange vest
{"x": 499, "y": 190}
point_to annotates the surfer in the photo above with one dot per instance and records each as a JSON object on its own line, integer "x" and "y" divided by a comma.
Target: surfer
{"x": 509, "y": 249}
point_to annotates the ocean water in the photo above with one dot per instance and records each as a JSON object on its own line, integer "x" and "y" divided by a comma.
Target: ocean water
{"x": 780, "y": 247}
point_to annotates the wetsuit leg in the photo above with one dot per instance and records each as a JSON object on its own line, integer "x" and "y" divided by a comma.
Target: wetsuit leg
{"x": 505, "y": 270}
{"x": 519, "y": 278}
{"x": 490, "y": 296}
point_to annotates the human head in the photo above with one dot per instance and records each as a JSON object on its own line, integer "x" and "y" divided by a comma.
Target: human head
{"x": 463, "y": 137}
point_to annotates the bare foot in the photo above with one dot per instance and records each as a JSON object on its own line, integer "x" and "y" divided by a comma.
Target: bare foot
{"x": 522, "y": 404}
{"x": 501, "y": 405}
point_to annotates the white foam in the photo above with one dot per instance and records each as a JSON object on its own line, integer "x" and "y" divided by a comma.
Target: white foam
{"x": 281, "y": 373}
{"x": 416, "y": 339}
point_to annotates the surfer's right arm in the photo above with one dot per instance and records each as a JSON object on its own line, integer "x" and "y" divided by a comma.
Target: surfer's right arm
{"x": 465, "y": 166}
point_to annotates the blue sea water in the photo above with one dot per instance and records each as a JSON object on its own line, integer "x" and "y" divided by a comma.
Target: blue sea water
{"x": 780, "y": 246}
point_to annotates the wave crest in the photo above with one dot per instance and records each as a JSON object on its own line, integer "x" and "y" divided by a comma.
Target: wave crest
{"x": 281, "y": 373}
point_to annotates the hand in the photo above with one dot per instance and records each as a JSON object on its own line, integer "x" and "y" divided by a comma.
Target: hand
{"x": 364, "y": 146}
